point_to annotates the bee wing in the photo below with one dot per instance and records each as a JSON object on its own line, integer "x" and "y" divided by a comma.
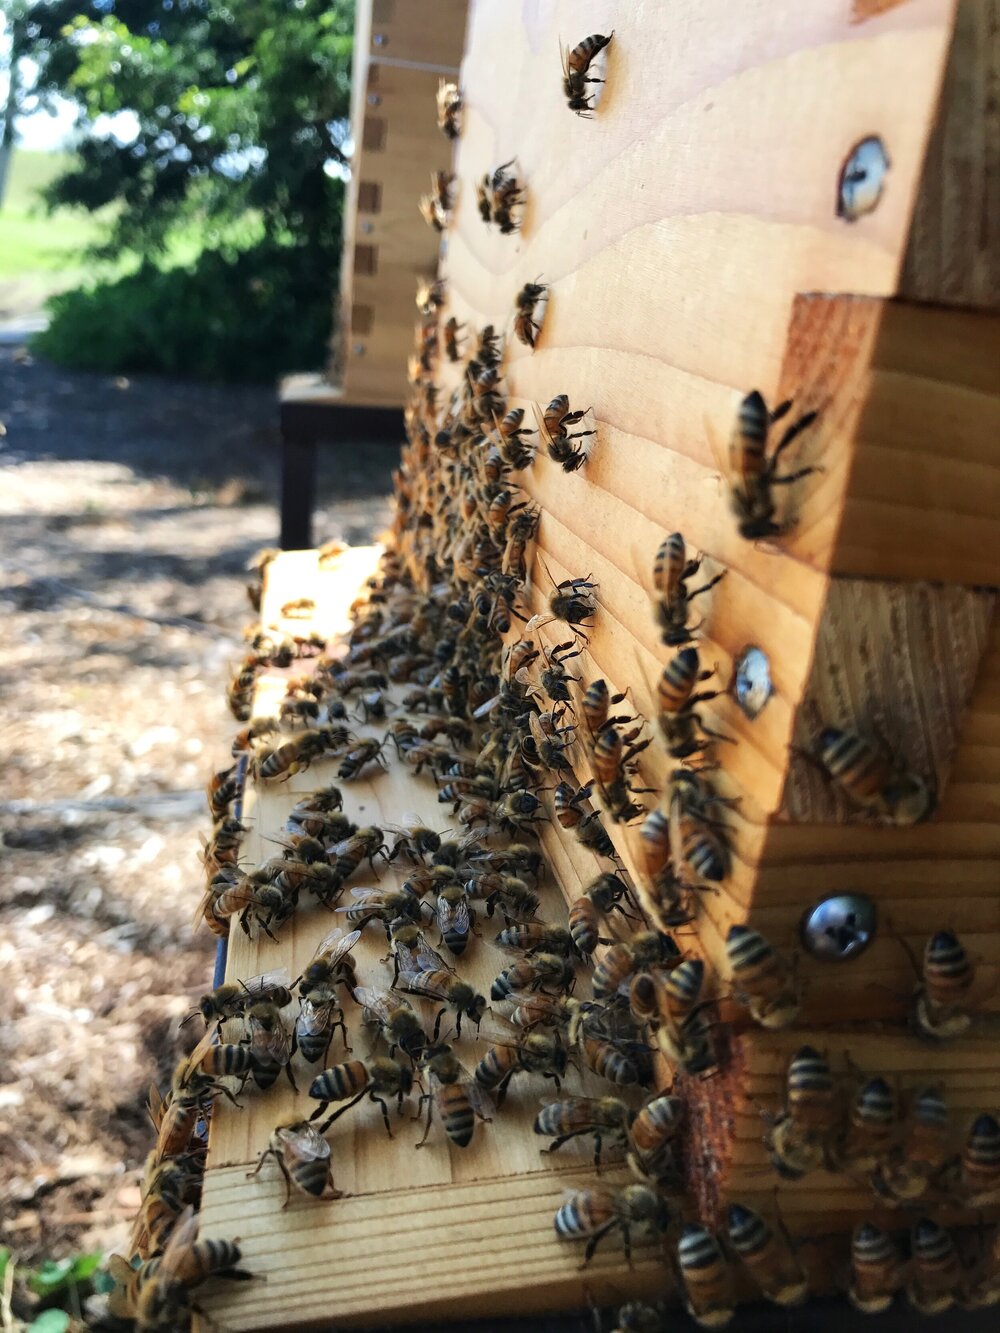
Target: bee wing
{"x": 267, "y": 981}
{"x": 313, "y": 1019}
{"x": 336, "y": 945}
{"x": 364, "y": 895}
{"x": 376, "y": 1004}
{"x": 306, "y": 1140}
{"x": 181, "y": 1239}
{"x": 481, "y": 1102}
{"x": 420, "y": 983}
{"x": 276, "y": 1042}
{"x": 429, "y": 960}
{"x": 155, "y": 1106}
{"x": 453, "y": 916}
{"x": 487, "y": 707}
{"x": 198, "y": 1054}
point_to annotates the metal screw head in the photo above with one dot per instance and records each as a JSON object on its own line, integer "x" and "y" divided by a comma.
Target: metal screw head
{"x": 367, "y": 227}
{"x": 380, "y": 39}
{"x": 752, "y": 682}
{"x": 840, "y": 927}
{"x": 862, "y": 179}
{"x": 358, "y": 349}
{"x": 374, "y": 99}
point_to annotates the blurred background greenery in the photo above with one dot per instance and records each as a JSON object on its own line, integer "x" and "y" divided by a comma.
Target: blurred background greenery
{"x": 191, "y": 221}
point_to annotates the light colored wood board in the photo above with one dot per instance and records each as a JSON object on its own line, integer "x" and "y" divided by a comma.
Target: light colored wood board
{"x": 896, "y": 663}
{"x": 428, "y": 32}
{"x": 924, "y": 495}
{"x": 952, "y": 255}
{"x": 442, "y": 1252}
{"x": 332, "y": 586}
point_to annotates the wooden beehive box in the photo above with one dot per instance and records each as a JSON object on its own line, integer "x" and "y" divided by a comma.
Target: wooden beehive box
{"x": 693, "y": 247}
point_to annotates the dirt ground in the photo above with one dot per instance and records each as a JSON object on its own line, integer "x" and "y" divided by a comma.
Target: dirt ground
{"x": 124, "y": 507}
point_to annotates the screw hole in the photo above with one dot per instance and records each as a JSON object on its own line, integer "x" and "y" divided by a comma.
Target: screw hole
{"x": 862, "y": 179}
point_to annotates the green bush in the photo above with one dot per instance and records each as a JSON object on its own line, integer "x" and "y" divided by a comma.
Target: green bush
{"x": 249, "y": 316}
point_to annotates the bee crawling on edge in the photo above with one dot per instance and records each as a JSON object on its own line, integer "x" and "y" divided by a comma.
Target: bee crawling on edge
{"x": 754, "y": 474}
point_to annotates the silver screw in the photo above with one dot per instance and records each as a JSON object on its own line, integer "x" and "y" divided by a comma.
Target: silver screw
{"x": 358, "y": 349}
{"x": 374, "y": 99}
{"x": 862, "y": 179}
{"x": 752, "y": 682}
{"x": 380, "y": 39}
{"x": 840, "y": 927}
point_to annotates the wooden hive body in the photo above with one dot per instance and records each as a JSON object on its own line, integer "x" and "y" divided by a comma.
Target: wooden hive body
{"x": 690, "y": 240}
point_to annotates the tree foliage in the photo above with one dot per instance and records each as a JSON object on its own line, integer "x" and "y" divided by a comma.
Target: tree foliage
{"x": 238, "y": 108}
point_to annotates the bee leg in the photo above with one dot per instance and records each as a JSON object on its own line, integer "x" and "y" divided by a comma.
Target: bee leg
{"x": 268, "y": 1152}
{"x": 291, "y": 1076}
{"x": 288, "y": 1181}
{"x": 795, "y": 476}
{"x": 342, "y": 1110}
{"x": 385, "y": 1113}
{"x": 593, "y": 1243}
{"x": 427, "y": 1097}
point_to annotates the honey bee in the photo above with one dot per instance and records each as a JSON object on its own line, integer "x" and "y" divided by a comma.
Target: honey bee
{"x": 688, "y": 1045}
{"x": 303, "y": 1157}
{"x": 541, "y": 972}
{"x": 300, "y": 608}
{"x": 646, "y": 948}
{"x": 360, "y": 754}
{"x": 508, "y": 892}
{"x": 706, "y": 1278}
{"x": 607, "y": 1118}
{"x": 379, "y": 1080}
{"x": 762, "y": 980}
{"x": 435, "y": 206}
{"x": 224, "y": 847}
{"x": 362, "y": 844}
{"x": 506, "y": 195}
{"x": 652, "y": 1133}
{"x": 169, "y": 1184}
{"x": 245, "y": 737}
{"x": 754, "y": 473}
{"x": 799, "y": 1135}
{"x": 613, "y": 757}
{"x": 531, "y": 937}
{"x": 435, "y": 980}
{"x": 223, "y": 788}
{"x": 574, "y": 602}
{"x": 515, "y": 451}
{"x": 483, "y": 200}
{"x": 768, "y": 1259}
{"x": 671, "y": 571}
{"x": 239, "y": 692}
{"x": 555, "y": 423}
{"x": 576, "y": 65}
{"x": 871, "y": 1127}
{"x": 940, "y": 1000}
{"x": 452, "y": 333}
{"x": 870, "y": 780}
{"x": 156, "y": 1295}
{"x": 454, "y": 1094}
{"x": 684, "y": 733}
{"x": 600, "y": 897}
{"x": 876, "y": 1269}
{"x": 592, "y": 1214}
{"x": 534, "y": 1053}
{"x": 935, "y": 1271}
{"x": 454, "y": 917}
{"x": 609, "y": 1044}
{"x": 385, "y": 905}
{"x": 698, "y": 851}
{"x": 905, "y": 1174}
{"x": 526, "y": 326}
{"x": 231, "y": 999}
{"x": 270, "y": 1043}
{"x": 978, "y": 1184}
{"x": 394, "y": 1016}
{"x": 196, "y": 1078}
{"x": 449, "y": 109}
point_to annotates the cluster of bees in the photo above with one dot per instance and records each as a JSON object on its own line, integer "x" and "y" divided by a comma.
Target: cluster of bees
{"x": 447, "y": 659}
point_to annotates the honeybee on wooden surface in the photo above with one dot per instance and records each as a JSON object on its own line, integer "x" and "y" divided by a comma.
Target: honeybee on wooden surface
{"x": 573, "y": 601}
{"x": 767, "y": 1257}
{"x": 379, "y": 1080}
{"x": 935, "y": 1269}
{"x": 435, "y": 980}
{"x": 270, "y": 1043}
{"x": 876, "y": 1269}
{"x": 484, "y": 200}
{"x": 646, "y": 948}
{"x": 610, "y": 1043}
{"x": 978, "y": 1183}
{"x": 940, "y": 1009}
{"x": 683, "y": 731}
{"x": 231, "y": 999}
{"x": 591, "y": 1214}
{"x": 870, "y": 779}
{"x": 924, "y": 1145}
{"x": 169, "y": 1185}
{"x": 527, "y": 301}
{"x": 706, "y": 1278}
{"x": 652, "y": 1135}
{"x": 607, "y": 1118}
{"x": 436, "y": 205}
{"x": 754, "y": 473}
{"x": 576, "y": 63}
{"x": 762, "y": 980}
{"x": 531, "y": 937}
{"x": 449, "y": 109}
{"x": 506, "y": 196}
{"x": 555, "y": 422}
{"x": 398, "y": 1025}
{"x": 698, "y": 848}
{"x": 872, "y": 1126}
{"x": 614, "y": 761}
{"x": 360, "y": 754}
{"x": 550, "y": 973}
{"x": 602, "y": 896}
{"x": 454, "y": 1094}
{"x": 303, "y": 1157}
{"x": 534, "y": 1053}
{"x": 517, "y": 454}
{"x": 452, "y": 333}
{"x": 222, "y": 789}
{"x": 801, "y": 1133}
{"x": 672, "y": 601}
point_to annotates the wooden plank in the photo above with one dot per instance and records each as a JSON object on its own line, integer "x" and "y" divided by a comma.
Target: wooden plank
{"x": 952, "y": 254}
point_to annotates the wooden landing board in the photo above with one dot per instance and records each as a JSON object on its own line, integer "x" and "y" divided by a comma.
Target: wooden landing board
{"x": 439, "y": 1232}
